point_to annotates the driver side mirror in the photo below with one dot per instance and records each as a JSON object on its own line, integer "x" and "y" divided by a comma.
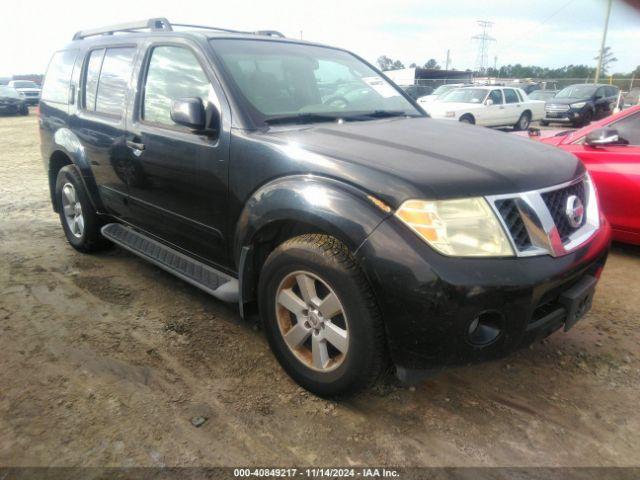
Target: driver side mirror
{"x": 488, "y": 102}
{"x": 603, "y": 136}
{"x": 189, "y": 112}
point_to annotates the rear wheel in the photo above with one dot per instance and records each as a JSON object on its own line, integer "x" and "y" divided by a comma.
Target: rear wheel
{"x": 523, "y": 122}
{"x": 79, "y": 220}
{"x": 320, "y": 316}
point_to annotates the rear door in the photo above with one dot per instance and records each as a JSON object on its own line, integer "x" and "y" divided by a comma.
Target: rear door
{"x": 616, "y": 172}
{"x": 100, "y": 118}
{"x": 513, "y": 106}
{"x": 178, "y": 187}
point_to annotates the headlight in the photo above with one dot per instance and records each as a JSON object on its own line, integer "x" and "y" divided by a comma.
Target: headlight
{"x": 465, "y": 227}
{"x": 450, "y": 114}
{"x": 578, "y": 105}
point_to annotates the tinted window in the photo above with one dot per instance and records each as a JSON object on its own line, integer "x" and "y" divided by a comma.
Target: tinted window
{"x": 174, "y": 72}
{"x": 56, "y": 83}
{"x": 612, "y": 92}
{"x": 114, "y": 79}
{"x": 496, "y": 96}
{"x": 629, "y": 128}
{"x": 92, "y": 76}
{"x": 510, "y": 96}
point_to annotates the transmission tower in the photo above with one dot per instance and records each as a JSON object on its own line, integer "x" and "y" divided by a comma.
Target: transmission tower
{"x": 483, "y": 39}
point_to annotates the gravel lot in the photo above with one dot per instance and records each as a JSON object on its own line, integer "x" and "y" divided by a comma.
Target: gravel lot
{"x": 108, "y": 361}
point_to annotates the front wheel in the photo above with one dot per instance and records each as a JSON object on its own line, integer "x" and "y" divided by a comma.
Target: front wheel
{"x": 24, "y": 109}
{"x": 320, "y": 316}
{"x": 544, "y": 123}
{"x": 468, "y": 119}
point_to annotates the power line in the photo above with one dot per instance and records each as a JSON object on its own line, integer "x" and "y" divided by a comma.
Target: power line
{"x": 484, "y": 39}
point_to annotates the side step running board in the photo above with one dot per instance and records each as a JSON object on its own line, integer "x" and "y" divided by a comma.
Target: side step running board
{"x": 212, "y": 281}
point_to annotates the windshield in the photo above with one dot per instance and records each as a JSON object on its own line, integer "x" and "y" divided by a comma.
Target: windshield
{"x": 444, "y": 89}
{"x": 278, "y": 79}
{"x": 465, "y": 95}
{"x": 24, "y": 85}
{"x": 577, "y": 91}
{"x": 9, "y": 92}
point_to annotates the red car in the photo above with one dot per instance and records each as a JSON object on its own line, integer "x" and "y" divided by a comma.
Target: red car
{"x": 610, "y": 149}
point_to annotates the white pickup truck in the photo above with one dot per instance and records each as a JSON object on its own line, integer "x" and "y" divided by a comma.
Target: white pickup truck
{"x": 490, "y": 106}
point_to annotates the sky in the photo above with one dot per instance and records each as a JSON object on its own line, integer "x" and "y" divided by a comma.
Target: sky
{"x": 548, "y": 33}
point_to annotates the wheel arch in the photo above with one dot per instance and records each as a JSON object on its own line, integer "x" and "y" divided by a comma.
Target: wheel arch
{"x": 468, "y": 115}
{"x": 67, "y": 150}
{"x": 292, "y": 206}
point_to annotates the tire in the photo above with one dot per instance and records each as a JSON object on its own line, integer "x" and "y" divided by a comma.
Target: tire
{"x": 586, "y": 118}
{"x": 544, "y": 123}
{"x": 24, "y": 109}
{"x": 468, "y": 119}
{"x": 523, "y": 122}
{"x": 357, "y": 360}
{"x": 84, "y": 233}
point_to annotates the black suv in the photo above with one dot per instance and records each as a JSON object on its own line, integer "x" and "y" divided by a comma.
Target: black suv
{"x": 579, "y": 104}
{"x": 296, "y": 180}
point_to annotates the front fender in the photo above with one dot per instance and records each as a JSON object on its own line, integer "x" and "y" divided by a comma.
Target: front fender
{"x": 336, "y": 208}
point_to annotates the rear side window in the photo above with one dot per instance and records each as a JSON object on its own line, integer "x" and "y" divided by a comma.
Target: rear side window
{"x": 510, "y": 95}
{"x": 56, "y": 82}
{"x": 496, "y": 96}
{"x": 173, "y": 73}
{"x": 629, "y": 128}
{"x": 107, "y": 79}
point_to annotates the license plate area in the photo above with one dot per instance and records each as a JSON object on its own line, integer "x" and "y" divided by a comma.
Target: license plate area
{"x": 577, "y": 300}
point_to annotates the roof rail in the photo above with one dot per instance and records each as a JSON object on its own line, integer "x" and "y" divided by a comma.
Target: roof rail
{"x": 154, "y": 24}
{"x": 161, "y": 24}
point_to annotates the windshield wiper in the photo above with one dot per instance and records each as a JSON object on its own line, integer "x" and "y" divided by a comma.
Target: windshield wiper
{"x": 377, "y": 114}
{"x": 301, "y": 118}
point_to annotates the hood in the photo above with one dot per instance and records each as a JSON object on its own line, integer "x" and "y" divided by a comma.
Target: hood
{"x": 29, "y": 90}
{"x": 566, "y": 101}
{"x": 401, "y": 158}
{"x": 428, "y": 98}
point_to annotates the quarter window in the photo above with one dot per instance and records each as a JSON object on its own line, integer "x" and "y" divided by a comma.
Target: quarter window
{"x": 114, "y": 80}
{"x": 173, "y": 73}
{"x": 56, "y": 83}
{"x": 92, "y": 76}
{"x": 510, "y": 95}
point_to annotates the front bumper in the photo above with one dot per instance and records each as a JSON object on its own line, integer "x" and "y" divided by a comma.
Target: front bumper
{"x": 568, "y": 116}
{"x": 428, "y": 301}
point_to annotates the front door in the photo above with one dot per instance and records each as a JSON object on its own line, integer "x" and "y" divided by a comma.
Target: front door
{"x": 178, "y": 181}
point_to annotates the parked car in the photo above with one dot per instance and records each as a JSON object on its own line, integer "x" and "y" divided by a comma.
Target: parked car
{"x": 358, "y": 234}
{"x": 544, "y": 95}
{"x": 581, "y": 103}
{"x": 527, "y": 87}
{"x": 440, "y": 91}
{"x": 29, "y": 89}
{"x": 631, "y": 98}
{"x": 488, "y": 106}
{"x": 417, "y": 91}
{"x": 12, "y": 101}
{"x": 610, "y": 149}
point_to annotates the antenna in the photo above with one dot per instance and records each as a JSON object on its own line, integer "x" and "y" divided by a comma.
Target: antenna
{"x": 483, "y": 39}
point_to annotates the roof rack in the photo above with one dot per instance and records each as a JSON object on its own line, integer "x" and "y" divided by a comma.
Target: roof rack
{"x": 161, "y": 24}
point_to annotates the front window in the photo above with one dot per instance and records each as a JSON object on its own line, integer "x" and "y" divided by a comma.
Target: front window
{"x": 442, "y": 89}
{"x": 281, "y": 79}
{"x": 577, "y": 91}
{"x": 465, "y": 95}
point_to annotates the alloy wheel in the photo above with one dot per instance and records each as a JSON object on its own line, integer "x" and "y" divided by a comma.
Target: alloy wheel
{"x": 312, "y": 321}
{"x": 72, "y": 210}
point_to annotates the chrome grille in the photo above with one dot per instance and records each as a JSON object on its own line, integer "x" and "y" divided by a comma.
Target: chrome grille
{"x": 556, "y": 108}
{"x": 537, "y": 222}
{"x": 556, "y": 201}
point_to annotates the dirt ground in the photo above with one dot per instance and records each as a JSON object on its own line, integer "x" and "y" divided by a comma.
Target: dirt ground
{"x": 106, "y": 360}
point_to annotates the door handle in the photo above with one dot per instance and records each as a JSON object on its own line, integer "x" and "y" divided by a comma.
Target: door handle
{"x": 135, "y": 145}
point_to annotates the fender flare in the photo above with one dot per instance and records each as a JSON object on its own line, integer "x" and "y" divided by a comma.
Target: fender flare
{"x": 65, "y": 141}
{"x": 334, "y": 207}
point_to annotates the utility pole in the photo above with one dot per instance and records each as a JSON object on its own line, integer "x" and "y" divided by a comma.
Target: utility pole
{"x": 483, "y": 45}
{"x": 448, "y": 62}
{"x": 604, "y": 40}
